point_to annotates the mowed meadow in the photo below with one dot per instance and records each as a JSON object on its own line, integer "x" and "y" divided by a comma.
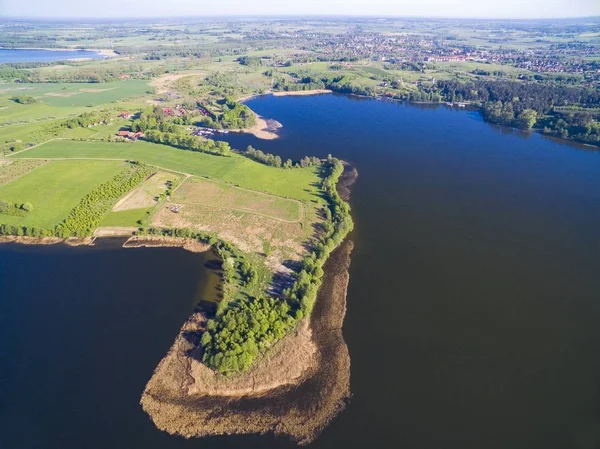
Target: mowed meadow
{"x": 54, "y": 189}
{"x": 202, "y": 192}
{"x": 60, "y": 100}
{"x": 298, "y": 183}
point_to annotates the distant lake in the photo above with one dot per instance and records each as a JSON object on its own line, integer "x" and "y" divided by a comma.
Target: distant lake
{"x": 473, "y": 309}
{"x": 14, "y": 55}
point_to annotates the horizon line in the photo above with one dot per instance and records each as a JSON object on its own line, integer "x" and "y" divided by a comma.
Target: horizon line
{"x": 271, "y": 16}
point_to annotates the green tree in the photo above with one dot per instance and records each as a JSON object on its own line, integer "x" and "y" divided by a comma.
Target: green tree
{"x": 527, "y": 118}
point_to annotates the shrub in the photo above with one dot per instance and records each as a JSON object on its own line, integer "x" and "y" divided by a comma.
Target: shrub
{"x": 7, "y": 208}
{"x": 24, "y": 99}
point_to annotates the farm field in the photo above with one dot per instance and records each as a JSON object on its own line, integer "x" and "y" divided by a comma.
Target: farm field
{"x": 198, "y": 191}
{"x": 268, "y": 226}
{"x": 76, "y": 94}
{"x": 278, "y": 241}
{"x": 54, "y": 189}
{"x": 299, "y": 183}
{"x": 58, "y": 100}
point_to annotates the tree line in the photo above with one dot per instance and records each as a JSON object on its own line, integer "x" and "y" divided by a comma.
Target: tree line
{"x": 276, "y": 161}
{"x": 336, "y": 83}
{"x": 531, "y": 105}
{"x": 159, "y": 128}
{"x": 188, "y": 142}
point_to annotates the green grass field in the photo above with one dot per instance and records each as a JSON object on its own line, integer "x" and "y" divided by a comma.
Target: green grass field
{"x": 57, "y": 101}
{"x": 126, "y": 218}
{"x": 54, "y": 189}
{"x": 299, "y": 183}
{"x": 77, "y": 94}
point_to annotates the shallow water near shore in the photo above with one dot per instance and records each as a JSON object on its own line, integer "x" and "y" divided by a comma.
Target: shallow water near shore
{"x": 473, "y": 305}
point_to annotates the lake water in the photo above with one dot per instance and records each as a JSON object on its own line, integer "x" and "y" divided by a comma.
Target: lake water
{"x": 473, "y": 305}
{"x": 10, "y": 55}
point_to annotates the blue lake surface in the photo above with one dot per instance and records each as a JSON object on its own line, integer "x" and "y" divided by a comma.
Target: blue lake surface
{"x": 473, "y": 307}
{"x": 10, "y": 55}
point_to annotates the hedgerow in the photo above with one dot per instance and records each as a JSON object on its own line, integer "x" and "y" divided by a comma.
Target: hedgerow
{"x": 87, "y": 215}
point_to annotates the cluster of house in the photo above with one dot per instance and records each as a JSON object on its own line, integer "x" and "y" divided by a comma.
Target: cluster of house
{"x": 130, "y": 135}
{"x": 452, "y": 58}
{"x": 177, "y": 111}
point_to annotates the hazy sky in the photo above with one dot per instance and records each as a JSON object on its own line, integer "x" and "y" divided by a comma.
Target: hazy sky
{"x": 427, "y": 8}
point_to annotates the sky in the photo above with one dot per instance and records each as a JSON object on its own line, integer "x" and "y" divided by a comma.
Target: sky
{"x": 178, "y": 8}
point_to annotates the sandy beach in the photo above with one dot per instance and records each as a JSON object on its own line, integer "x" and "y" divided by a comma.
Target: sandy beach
{"x": 263, "y": 129}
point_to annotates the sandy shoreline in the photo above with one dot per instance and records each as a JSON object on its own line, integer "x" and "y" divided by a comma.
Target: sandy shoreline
{"x": 154, "y": 241}
{"x": 301, "y": 93}
{"x": 25, "y": 240}
{"x": 249, "y": 97}
{"x": 263, "y": 129}
{"x": 290, "y": 391}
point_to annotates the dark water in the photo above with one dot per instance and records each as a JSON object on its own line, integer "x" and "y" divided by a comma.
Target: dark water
{"x": 10, "y": 55}
{"x": 81, "y": 331}
{"x": 473, "y": 308}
